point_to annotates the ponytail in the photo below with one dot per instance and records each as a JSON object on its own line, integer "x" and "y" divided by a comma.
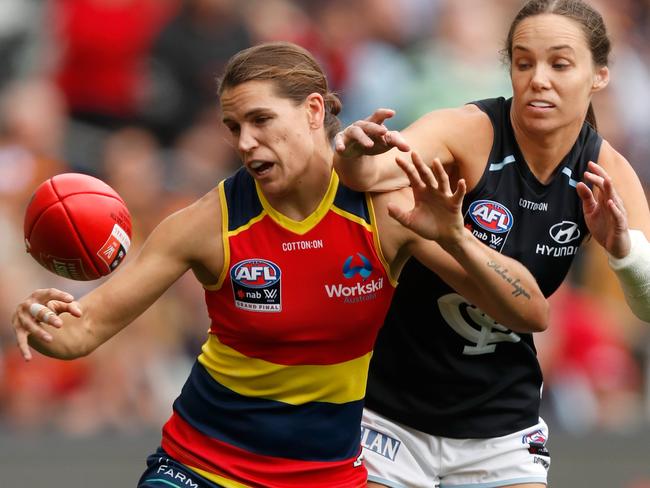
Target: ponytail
{"x": 591, "y": 117}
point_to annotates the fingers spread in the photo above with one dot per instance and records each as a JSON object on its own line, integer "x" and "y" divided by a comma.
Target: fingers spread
{"x": 380, "y": 115}
{"x": 394, "y": 138}
{"x": 414, "y": 177}
{"x": 588, "y": 201}
{"x": 425, "y": 173}
{"x": 441, "y": 176}
{"x": 459, "y": 194}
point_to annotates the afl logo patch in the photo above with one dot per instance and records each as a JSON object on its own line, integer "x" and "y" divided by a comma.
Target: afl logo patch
{"x": 491, "y": 216}
{"x": 256, "y": 285}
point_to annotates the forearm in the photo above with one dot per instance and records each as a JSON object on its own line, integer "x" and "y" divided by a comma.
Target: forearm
{"x": 499, "y": 285}
{"x": 359, "y": 173}
{"x": 73, "y": 340}
{"x": 378, "y": 173}
{"x": 633, "y": 273}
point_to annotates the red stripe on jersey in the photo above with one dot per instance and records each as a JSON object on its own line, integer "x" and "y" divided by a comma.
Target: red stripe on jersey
{"x": 253, "y": 469}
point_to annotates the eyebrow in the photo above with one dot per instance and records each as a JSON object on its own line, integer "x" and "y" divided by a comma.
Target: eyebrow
{"x": 251, "y": 113}
{"x": 518, "y": 47}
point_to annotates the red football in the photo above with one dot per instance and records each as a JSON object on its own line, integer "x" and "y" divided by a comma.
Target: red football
{"x": 77, "y": 227}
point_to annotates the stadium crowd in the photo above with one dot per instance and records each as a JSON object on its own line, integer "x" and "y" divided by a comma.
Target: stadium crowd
{"x": 125, "y": 90}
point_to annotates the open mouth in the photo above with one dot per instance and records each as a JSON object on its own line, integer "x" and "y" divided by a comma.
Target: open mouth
{"x": 260, "y": 167}
{"x": 541, "y": 105}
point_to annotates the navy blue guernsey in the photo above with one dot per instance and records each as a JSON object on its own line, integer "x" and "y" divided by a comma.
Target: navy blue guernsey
{"x": 440, "y": 365}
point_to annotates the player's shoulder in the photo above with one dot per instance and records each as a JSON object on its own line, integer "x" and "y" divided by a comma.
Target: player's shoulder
{"x": 196, "y": 222}
{"x": 464, "y": 122}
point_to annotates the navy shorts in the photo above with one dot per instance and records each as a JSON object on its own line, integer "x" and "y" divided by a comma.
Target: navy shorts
{"x": 163, "y": 472}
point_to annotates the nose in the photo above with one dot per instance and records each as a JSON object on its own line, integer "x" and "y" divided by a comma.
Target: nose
{"x": 540, "y": 80}
{"x": 247, "y": 140}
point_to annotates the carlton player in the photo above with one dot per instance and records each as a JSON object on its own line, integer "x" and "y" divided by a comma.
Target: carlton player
{"x": 475, "y": 421}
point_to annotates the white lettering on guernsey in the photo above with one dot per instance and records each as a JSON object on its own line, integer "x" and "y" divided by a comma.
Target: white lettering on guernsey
{"x": 380, "y": 443}
{"x": 556, "y": 252}
{"x": 535, "y": 206}
{"x": 302, "y": 245}
{"x": 258, "y": 307}
{"x": 175, "y": 475}
{"x": 357, "y": 290}
{"x": 255, "y": 272}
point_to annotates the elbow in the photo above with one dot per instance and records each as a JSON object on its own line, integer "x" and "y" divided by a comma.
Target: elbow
{"x": 537, "y": 317}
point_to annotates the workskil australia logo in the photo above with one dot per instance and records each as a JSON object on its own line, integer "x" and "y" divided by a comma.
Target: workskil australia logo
{"x": 356, "y": 267}
{"x": 490, "y": 222}
{"x": 256, "y": 285}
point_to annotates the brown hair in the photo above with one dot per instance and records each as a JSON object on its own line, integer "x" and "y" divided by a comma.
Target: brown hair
{"x": 292, "y": 69}
{"x": 584, "y": 14}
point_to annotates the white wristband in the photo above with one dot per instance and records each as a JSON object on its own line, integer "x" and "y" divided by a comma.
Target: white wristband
{"x": 633, "y": 272}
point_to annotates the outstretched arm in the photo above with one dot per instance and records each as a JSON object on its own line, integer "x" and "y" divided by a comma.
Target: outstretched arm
{"x": 366, "y": 150}
{"x": 54, "y": 324}
{"x": 499, "y": 285}
{"x": 620, "y": 222}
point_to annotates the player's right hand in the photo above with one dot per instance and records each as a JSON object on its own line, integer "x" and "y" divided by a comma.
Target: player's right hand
{"x": 41, "y": 307}
{"x": 369, "y": 136}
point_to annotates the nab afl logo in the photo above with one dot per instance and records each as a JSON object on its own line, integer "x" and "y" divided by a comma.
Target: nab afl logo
{"x": 255, "y": 273}
{"x": 491, "y": 216}
{"x": 256, "y": 285}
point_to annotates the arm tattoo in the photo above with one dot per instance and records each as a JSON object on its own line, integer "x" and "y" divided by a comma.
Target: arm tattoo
{"x": 518, "y": 290}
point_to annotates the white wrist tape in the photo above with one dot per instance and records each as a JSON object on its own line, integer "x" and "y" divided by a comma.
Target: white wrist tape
{"x": 633, "y": 272}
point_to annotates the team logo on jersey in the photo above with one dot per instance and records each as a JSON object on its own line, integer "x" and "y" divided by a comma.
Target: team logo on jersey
{"x": 378, "y": 442}
{"x": 256, "y": 285}
{"x": 363, "y": 290}
{"x": 475, "y": 326}
{"x": 490, "y": 222}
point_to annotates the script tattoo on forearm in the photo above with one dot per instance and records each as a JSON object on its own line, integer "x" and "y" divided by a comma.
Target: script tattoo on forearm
{"x": 518, "y": 289}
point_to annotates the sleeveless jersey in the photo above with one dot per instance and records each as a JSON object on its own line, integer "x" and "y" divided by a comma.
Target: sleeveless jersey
{"x": 480, "y": 379}
{"x": 276, "y": 397}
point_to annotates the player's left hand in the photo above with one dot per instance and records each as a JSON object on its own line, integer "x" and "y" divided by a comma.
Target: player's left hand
{"x": 437, "y": 212}
{"x": 604, "y": 212}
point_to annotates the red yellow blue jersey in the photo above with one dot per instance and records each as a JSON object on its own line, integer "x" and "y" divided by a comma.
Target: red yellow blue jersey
{"x": 276, "y": 396}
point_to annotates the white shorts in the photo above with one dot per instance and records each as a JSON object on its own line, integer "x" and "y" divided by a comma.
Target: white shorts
{"x": 400, "y": 457}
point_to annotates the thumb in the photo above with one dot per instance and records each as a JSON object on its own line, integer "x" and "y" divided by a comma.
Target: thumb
{"x": 398, "y": 214}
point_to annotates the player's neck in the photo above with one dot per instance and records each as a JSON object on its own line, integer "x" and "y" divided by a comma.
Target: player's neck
{"x": 543, "y": 152}
{"x": 304, "y": 196}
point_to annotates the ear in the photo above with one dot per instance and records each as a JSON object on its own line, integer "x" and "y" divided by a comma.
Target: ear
{"x": 315, "y": 110}
{"x": 601, "y": 79}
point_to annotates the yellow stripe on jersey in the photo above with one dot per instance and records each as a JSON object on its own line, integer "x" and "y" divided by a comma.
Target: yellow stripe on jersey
{"x": 296, "y": 385}
{"x": 377, "y": 241}
{"x": 246, "y": 226}
{"x": 215, "y": 478}
{"x": 316, "y": 216}
{"x": 354, "y": 218}
{"x": 224, "y": 240}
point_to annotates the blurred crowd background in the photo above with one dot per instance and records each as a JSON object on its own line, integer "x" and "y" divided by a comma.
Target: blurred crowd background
{"x": 125, "y": 90}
